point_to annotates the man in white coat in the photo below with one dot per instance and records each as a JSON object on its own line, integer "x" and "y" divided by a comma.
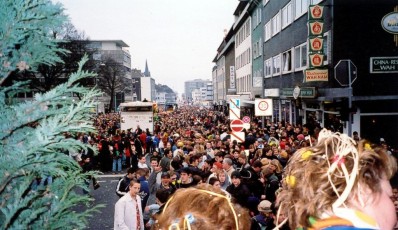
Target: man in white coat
{"x": 128, "y": 211}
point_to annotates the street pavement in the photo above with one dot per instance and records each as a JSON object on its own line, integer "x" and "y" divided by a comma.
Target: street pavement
{"x": 104, "y": 195}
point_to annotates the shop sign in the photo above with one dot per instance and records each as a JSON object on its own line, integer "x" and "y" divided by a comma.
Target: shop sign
{"x": 390, "y": 23}
{"x": 316, "y": 12}
{"x": 316, "y": 60}
{"x": 232, "y": 77}
{"x": 271, "y": 92}
{"x": 315, "y": 28}
{"x": 316, "y": 75}
{"x": 305, "y": 92}
{"x": 384, "y": 64}
{"x": 316, "y": 44}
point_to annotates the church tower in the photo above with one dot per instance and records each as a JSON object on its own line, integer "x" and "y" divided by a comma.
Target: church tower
{"x": 146, "y": 72}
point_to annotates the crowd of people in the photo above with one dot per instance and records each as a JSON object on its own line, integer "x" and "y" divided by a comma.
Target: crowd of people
{"x": 190, "y": 172}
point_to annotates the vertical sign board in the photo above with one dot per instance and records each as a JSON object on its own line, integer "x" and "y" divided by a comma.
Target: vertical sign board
{"x": 234, "y": 109}
{"x": 263, "y": 107}
{"x": 232, "y": 77}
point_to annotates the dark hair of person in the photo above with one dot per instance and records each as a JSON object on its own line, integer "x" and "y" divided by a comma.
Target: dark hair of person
{"x": 162, "y": 195}
{"x": 213, "y": 180}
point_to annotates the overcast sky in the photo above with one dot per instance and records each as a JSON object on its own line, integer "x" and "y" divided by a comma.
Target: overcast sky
{"x": 179, "y": 38}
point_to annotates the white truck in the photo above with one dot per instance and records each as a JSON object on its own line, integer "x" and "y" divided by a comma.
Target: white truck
{"x": 137, "y": 113}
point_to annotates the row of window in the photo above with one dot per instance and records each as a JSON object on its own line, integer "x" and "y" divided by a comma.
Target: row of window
{"x": 293, "y": 59}
{"x": 243, "y": 59}
{"x": 244, "y": 84}
{"x": 292, "y": 10}
{"x": 243, "y": 33}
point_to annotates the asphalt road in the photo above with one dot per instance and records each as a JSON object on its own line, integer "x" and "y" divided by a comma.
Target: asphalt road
{"x": 105, "y": 195}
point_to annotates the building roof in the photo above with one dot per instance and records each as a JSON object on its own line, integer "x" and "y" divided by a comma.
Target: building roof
{"x": 120, "y": 43}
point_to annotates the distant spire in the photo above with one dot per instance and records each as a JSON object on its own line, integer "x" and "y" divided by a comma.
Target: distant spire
{"x": 146, "y": 72}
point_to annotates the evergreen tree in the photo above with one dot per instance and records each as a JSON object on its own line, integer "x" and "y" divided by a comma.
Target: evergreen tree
{"x": 34, "y": 135}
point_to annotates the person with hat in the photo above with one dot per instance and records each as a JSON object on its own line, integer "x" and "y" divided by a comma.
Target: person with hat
{"x": 265, "y": 219}
{"x": 239, "y": 191}
{"x": 165, "y": 183}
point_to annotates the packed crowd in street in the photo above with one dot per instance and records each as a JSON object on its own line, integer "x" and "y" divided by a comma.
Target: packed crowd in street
{"x": 191, "y": 150}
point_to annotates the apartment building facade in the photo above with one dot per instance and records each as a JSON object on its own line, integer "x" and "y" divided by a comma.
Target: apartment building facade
{"x": 330, "y": 63}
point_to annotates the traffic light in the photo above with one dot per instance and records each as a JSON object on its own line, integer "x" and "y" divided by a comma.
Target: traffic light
{"x": 344, "y": 111}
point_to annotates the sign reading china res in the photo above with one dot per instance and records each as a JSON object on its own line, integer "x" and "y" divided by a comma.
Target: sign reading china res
{"x": 384, "y": 64}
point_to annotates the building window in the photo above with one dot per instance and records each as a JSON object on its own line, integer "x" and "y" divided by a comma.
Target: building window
{"x": 300, "y": 56}
{"x": 276, "y": 24}
{"x": 268, "y": 68}
{"x": 267, "y": 31}
{"x": 287, "y": 61}
{"x": 300, "y": 7}
{"x": 287, "y": 15}
{"x": 276, "y": 65}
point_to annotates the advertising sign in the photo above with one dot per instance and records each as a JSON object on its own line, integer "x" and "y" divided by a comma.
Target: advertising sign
{"x": 316, "y": 44}
{"x": 232, "y": 77}
{"x": 316, "y": 12}
{"x": 384, "y": 64}
{"x": 316, "y": 75}
{"x": 316, "y": 60}
{"x": 315, "y": 28}
{"x": 390, "y": 23}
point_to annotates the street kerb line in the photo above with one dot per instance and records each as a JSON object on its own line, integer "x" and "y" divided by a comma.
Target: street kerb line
{"x": 110, "y": 176}
{"x": 237, "y": 137}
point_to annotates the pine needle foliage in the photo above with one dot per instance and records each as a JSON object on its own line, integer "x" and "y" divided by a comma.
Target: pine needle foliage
{"x": 26, "y": 29}
{"x": 33, "y": 144}
{"x": 35, "y": 134}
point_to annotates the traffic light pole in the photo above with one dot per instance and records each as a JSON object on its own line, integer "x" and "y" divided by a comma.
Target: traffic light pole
{"x": 349, "y": 102}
